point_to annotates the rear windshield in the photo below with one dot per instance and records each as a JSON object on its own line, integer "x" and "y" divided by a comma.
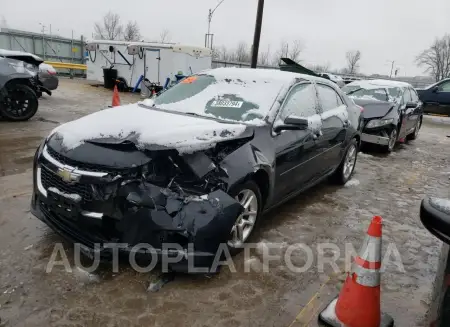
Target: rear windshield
{"x": 231, "y": 99}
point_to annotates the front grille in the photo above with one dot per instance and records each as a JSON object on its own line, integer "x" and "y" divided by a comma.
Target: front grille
{"x": 50, "y": 179}
{"x": 81, "y": 165}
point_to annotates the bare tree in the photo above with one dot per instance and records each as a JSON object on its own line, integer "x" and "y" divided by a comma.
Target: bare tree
{"x": 216, "y": 53}
{"x": 295, "y": 49}
{"x": 242, "y": 53}
{"x": 264, "y": 57}
{"x": 164, "y": 36}
{"x": 110, "y": 28}
{"x": 132, "y": 32}
{"x": 291, "y": 51}
{"x": 436, "y": 59}
{"x": 321, "y": 68}
{"x": 353, "y": 58}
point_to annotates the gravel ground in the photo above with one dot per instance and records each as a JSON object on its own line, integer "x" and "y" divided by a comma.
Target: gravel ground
{"x": 391, "y": 186}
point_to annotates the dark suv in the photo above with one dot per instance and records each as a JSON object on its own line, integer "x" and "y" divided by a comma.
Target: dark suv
{"x": 436, "y": 98}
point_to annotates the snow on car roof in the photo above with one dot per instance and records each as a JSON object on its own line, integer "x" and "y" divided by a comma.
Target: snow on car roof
{"x": 7, "y": 53}
{"x": 249, "y": 74}
{"x": 379, "y": 82}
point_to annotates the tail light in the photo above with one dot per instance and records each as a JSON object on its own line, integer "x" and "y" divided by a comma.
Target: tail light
{"x": 360, "y": 108}
{"x": 51, "y": 72}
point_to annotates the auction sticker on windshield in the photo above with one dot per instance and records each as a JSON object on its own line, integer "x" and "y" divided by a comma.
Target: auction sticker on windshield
{"x": 227, "y": 104}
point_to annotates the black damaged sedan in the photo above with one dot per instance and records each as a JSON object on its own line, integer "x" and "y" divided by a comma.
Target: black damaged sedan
{"x": 197, "y": 165}
{"x": 392, "y": 111}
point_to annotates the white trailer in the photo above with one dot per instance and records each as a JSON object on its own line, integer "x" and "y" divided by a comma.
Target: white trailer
{"x": 109, "y": 54}
{"x": 157, "y": 62}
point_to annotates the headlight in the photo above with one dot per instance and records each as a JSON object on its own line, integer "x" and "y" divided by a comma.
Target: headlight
{"x": 379, "y": 122}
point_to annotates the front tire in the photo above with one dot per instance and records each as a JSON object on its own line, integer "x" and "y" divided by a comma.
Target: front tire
{"x": 415, "y": 134}
{"x": 20, "y": 104}
{"x": 392, "y": 141}
{"x": 347, "y": 167}
{"x": 249, "y": 196}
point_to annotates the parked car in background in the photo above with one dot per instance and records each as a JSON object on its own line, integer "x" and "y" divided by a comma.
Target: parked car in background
{"x": 32, "y": 63}
{"x": 18, "y": 99}
{"x": 436, "y": 98}
{"x": 392, "y": 111}
{"x": 197, "y": 164}
{"x": 48, "y": 77}
{"x": 334, "y": 78}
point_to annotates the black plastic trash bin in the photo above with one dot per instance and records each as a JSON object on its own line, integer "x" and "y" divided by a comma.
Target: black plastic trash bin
{"x": 109, "y": 77}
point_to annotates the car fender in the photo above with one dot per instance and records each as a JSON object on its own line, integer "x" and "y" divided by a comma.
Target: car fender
{"x": 244, "y": 163}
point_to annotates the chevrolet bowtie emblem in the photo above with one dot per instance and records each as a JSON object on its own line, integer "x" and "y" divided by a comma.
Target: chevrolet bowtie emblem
{"x": 67, "y": 175}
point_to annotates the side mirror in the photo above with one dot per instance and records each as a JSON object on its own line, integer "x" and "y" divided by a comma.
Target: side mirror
{"x": 435, "y": 89}
{"x": 292, "y": 122}
{"x": 411, "y": 105}
{"x": 435, "y": 216}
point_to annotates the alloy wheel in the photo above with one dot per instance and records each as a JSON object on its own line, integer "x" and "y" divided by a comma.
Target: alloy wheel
{"x": 17, "y": 103}
{"x": 392, "y": 139}
{"x": 418, "y": 126}
{"x": 349, "y": 162}
{"x": 244, "y": 224}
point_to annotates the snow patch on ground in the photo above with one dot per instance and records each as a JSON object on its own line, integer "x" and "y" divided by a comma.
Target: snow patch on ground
{"x": 365, "y": 155}
{"x": 352, "y": 182}
{"x": 85, "y": 277}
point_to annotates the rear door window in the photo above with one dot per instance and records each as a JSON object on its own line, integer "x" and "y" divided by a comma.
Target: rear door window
{"x": 414, "y": 96}
{"x": 406, "y": 96}
{"x": 329, "y": 99}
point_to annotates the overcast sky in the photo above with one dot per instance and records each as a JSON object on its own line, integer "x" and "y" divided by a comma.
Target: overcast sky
{"x": 383, "y": 30}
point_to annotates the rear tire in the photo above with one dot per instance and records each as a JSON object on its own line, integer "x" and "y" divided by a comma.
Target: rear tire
{"x": 347, "y": 167}
{"x": 20, "y": 104}
{"x": 245, "y": 224}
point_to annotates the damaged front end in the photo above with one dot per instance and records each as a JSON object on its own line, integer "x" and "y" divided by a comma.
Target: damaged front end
{"x": 167, "y": 199}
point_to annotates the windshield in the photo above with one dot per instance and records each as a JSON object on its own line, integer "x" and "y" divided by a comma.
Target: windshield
{"x": 233, "y": 99}
{"x": 373, "y": 92}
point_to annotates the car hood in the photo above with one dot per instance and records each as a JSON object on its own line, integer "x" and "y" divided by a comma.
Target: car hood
{"x": 374, "y": 108}
{"x": 147, "y": 128}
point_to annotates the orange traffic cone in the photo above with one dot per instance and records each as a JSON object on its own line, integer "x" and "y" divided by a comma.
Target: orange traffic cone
{"x": 116, "y": 97}
{"x": 358, "y": 304}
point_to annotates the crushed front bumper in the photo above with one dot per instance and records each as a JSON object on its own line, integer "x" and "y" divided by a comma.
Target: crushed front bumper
{"x": 375, "y": 139}
{"x": 182, "y": 232}
{"x": 179, "y": 257}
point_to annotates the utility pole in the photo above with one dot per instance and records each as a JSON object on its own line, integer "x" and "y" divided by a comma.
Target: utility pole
{"x": 43, "y": 39}
{"x": 392, "y": 68}
{"x": 209, "y": 37}
{"x": 257, "y": 36}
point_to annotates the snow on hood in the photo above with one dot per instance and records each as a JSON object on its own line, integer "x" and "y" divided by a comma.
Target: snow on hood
{"x": 150, "y": 127}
